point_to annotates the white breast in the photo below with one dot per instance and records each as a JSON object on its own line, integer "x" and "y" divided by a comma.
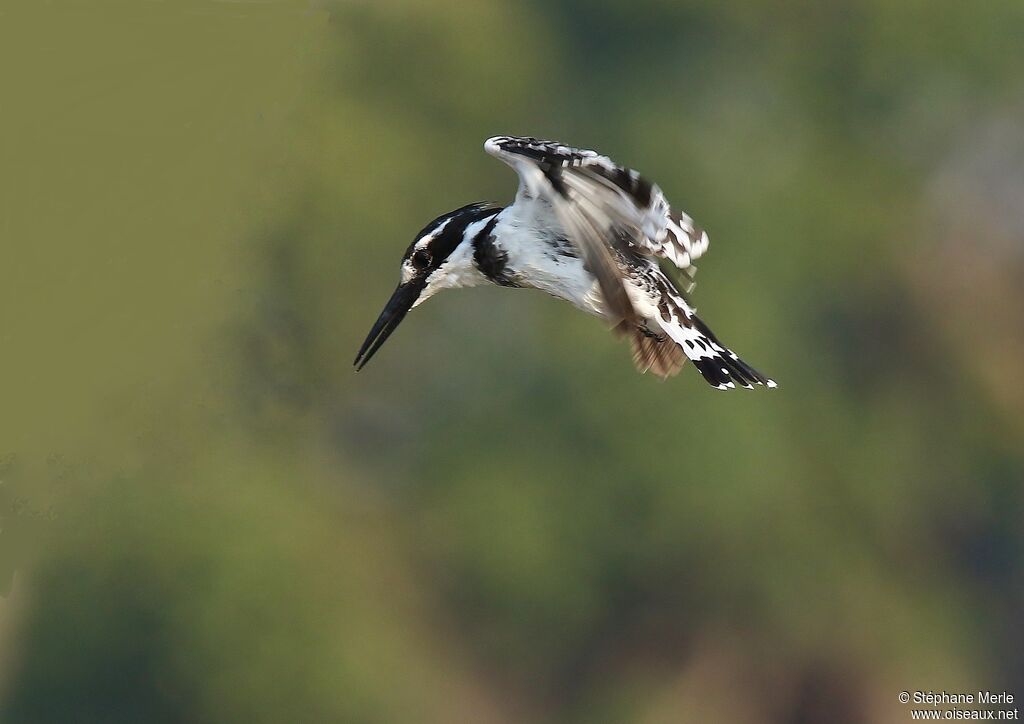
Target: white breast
{"x": 529, "y": 232}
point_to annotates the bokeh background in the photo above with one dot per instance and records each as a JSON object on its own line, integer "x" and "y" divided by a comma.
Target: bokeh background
{"x": 205, "y": 516}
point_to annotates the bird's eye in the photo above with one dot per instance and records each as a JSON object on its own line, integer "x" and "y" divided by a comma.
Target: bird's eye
{"x": 421, "y": 259}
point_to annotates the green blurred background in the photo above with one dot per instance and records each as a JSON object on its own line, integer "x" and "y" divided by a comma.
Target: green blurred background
{"x": 205, "y": 516}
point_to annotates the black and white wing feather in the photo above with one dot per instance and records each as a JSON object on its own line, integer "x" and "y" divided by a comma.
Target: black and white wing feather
{"x": 615, "y": 195}
{"x": 609, "y": 211}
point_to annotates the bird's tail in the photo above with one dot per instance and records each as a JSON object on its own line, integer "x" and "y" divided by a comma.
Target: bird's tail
{"x": 719, "y": 365}
{"x": 652, "y": 351}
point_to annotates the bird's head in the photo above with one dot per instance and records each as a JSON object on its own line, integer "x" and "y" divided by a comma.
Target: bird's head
{"x": 440, "y": 257}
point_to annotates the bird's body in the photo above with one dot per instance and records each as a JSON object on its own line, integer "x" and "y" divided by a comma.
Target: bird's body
{"x": 584, "y": 230}
{"x": 538, "y": 255}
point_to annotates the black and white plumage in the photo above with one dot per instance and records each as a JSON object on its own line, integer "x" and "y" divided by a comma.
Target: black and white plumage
{"x": 587, "y": 231}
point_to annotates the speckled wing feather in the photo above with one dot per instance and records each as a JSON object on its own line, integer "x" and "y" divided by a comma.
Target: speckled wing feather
{"x": 621, "y": 194}
{"x": 622, "y": 227}
{"x": 591, "y": 224}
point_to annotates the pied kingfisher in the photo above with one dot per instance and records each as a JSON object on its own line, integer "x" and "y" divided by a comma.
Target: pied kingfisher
{"x": 585, "y": 230}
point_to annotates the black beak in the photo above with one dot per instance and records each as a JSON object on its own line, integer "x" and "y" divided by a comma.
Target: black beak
{"x": 394, "y": 312}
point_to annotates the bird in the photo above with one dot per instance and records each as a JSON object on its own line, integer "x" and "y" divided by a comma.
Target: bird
{"x": 586, "y": 230}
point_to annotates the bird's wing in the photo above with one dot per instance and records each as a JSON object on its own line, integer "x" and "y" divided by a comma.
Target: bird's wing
{"x": 616, "y": 197}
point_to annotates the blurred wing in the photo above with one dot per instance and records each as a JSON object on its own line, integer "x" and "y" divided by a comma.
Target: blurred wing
{"x": 592, "y": 223}
{"x": 620, "y": 196}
